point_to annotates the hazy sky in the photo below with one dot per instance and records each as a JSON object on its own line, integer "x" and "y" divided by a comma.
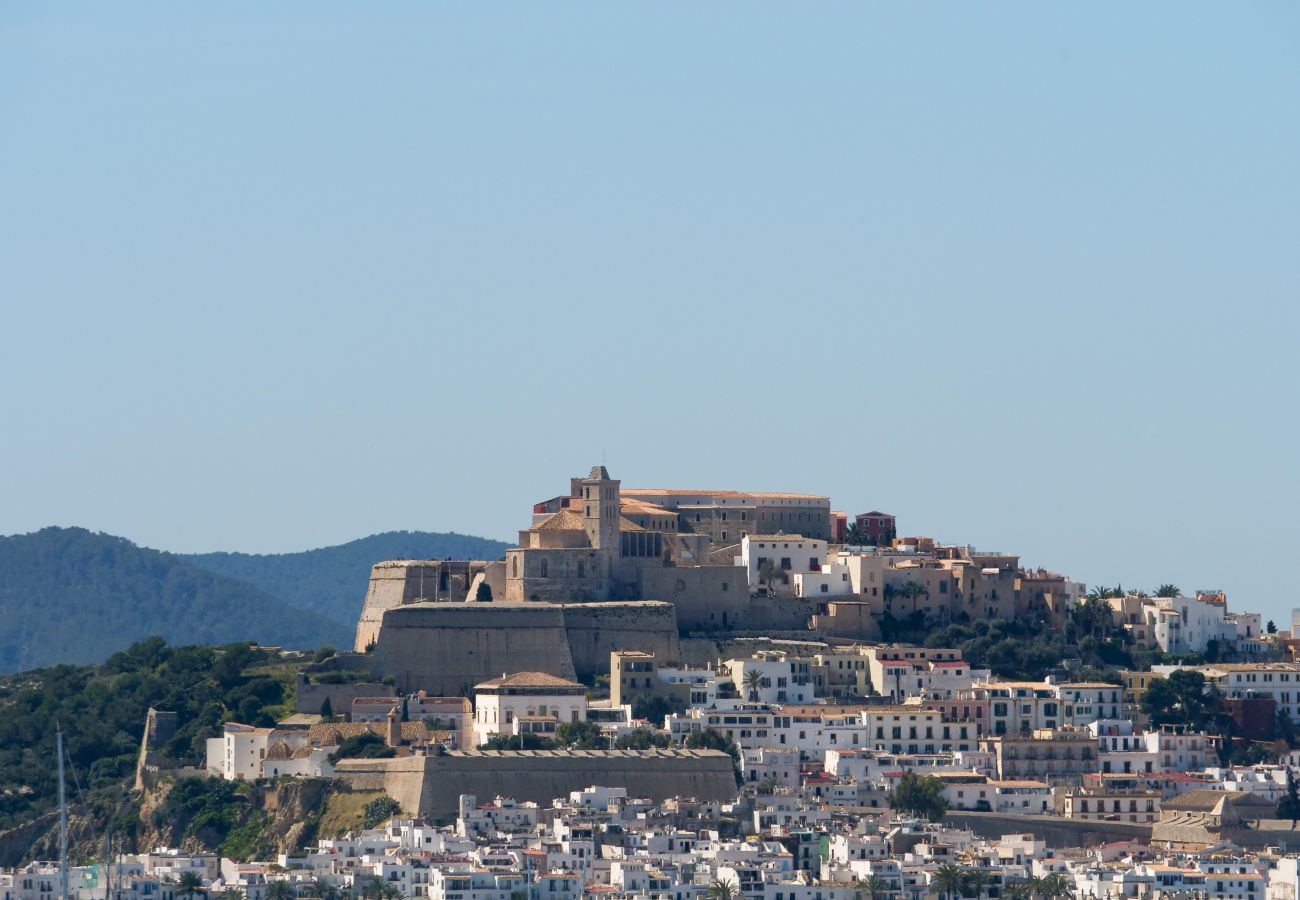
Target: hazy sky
{"x": 1025, "y": 275}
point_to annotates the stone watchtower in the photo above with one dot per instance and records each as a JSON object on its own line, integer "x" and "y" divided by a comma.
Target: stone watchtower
{"x": 601, "y": 511}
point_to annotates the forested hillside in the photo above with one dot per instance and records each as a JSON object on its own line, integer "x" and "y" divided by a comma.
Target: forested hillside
{"x": 68, "y": 595}
{"x": 332, "y": 581}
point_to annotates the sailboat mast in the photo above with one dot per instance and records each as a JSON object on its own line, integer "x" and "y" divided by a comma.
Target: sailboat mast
{"x": 63, "y": 823}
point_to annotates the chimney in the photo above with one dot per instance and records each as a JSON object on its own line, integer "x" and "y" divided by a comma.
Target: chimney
{"x": 393, "y": 733}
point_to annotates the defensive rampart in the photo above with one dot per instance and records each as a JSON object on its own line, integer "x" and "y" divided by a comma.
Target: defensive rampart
{"x": 430, "y": 786}
{"x": 1056, "y": 830}
{"x": 597, "y": 629}
{"x": 396, "y": 582}
{"x": 447, "y": 648}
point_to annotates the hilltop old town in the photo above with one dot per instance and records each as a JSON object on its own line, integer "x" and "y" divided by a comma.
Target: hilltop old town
{"x": 672, "y": 694}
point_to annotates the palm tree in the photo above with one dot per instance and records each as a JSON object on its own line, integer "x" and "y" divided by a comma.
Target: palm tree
{"x": 946, "y": 881}
{"x": 720, "y": 889}
{"x": 1168, "y": 590}
{"x": 1054, "y": 885}
{"x": 973, "y": 883}
{"x": 190, "y": 885}
{"x": 323, "y": 889}
{"x": 279, "y": 890}
{"x": 753, "y": 680}
{"x": 390, "y": 891}
{"x": 1019, "y": 890}
{"x": 231, "y": 893}
{"x": 372, "y": 888}
{"x": 873, "y": 887}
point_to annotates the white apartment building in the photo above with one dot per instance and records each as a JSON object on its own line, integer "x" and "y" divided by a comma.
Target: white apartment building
{"x": 792, "y": 554}
{"x": 774, "y": 679}
{"x": 1278, "y": 680}
{"x": 533, "y": 695}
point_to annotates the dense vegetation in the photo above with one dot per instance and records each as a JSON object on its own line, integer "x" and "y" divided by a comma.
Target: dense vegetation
{"x": 331, "y": 581}
{"x": 68, "y": 595}
{"x": 102, "y": 712}
{"x": 920, "y": 796}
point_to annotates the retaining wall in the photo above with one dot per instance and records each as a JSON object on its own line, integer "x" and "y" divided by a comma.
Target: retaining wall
{"x": 430, "y": 786}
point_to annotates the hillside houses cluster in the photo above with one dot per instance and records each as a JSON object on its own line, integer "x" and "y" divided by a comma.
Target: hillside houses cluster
{"x": 600, "y": 843}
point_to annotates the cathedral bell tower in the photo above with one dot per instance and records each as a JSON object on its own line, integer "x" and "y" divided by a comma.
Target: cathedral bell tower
{"x": 601, "y": 510}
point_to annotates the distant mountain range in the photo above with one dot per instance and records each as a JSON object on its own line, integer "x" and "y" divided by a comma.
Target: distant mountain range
{"x": 332, "y": 581}
{"x": 69, "y": 595}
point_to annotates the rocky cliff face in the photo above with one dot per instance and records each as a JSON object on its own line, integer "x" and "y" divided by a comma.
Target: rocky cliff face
{"x": 261, "y": 820}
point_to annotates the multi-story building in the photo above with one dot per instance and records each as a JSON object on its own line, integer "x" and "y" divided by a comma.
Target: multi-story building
{"x": 771, "y": 677}
{"x": 534, "y": 695}
{"x": 1178, "y": 749}
{"x": 1054, "y": 755}
{"x": 1111, "y": 798}
{"x": 879, "y": 528}
{"x": 727, "y": 516}
{"x": 790, "y": 555}
{"x": 1277, "y": 680}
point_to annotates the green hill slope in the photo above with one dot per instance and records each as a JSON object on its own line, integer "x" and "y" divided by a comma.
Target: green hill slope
{"x": 68, "y": 595}
{"x": 332, "y": 581}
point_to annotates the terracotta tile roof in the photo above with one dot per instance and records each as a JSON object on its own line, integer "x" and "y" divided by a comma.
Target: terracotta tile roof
{"x": 779, "y": 537}
{"x": 644, "y": 507}
{"x": 278, "y": 750}
{"x": 528, "y": 679}
{"x": 564, "y": 520}
{"x": 571, "y": 520}
{"x": 695, "y": 492}
{"x": 331, "y": 734}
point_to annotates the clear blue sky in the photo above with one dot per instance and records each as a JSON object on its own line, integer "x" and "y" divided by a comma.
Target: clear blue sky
{"x": 1023, "y": 274}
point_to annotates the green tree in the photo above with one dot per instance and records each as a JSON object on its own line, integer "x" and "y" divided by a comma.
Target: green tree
{"x": 371, "y": 888}
{"x": 190, "y": 884}
{"x": 1181, "y": 699}
{"x": 871, "y": 888}
{"x": 973, "y": 882}
{"x": 712, "y": 739}
{"x": 380, "y": 810}
{"x": 857, "y": 536}
{"x": 231, "y": 893}
{"x": 1289, "y": 806}
{"x": 643, "y": 739}
{"x": 946, "y": 880}
{"x": 920, "y": 795}
{"x": 366, "y": 745}
{"x": 1056, "y": 884}
{"x": 279, "y": 890}
{"x": 323, "y": 889}
{"x": 324, "y": 653}
{"x": 1271, "y": 628}
{"x": 753, "y": 680}
{"x": 327, "y": 710}
{"x": 483, "y": 593}
{"x": 518, "y": 742}
{"x": 769, "y": 572}
{"x": 721, "y": 889}
{"x": 1168, "y": 590}
{"x": 580, "y": 736}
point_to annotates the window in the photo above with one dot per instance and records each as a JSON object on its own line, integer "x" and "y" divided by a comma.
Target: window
{"x": 785, "y": 563}
{"x": 543, "y": 568}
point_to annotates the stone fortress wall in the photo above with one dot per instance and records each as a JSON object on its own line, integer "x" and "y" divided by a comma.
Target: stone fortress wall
{"x": 430, "y": 786}
{"x": 396, "y": 582}
{"x": 447, "y": 648}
